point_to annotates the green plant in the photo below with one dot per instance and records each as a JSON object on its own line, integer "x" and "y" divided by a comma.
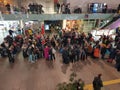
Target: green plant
{"x": 72, "y": 85}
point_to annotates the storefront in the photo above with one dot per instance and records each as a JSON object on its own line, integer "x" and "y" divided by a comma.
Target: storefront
{"x": 53, "y": 25}
{"x": 5, "y": 26}
{"x": 79, "y": 25}
{"x": 69, "y": 25}
{"x": 35, "y": 26}
{"x": 98, "y": 33}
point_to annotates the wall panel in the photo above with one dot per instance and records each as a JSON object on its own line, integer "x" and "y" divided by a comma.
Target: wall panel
{"x": 83, "y": 3}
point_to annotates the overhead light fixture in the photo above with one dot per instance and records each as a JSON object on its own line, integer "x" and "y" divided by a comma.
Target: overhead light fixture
{"x": 107, "y": 21}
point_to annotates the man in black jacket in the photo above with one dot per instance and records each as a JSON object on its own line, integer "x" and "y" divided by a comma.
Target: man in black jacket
{"x": 97, "y": 82}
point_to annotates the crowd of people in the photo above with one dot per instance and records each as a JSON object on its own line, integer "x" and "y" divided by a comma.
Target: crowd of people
{"x": 73, "y": 46}
{"x": 37, "y": 46}
{"x": 32, "y": 8}
{"x": 33, "y": 45}
{"x": 64, "y": 8}
{"x": 35, "y": 8}
{"x": 10, "y": 47}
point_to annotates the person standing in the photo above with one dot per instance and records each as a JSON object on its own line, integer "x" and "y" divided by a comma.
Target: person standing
{"x": 65, "y": 56}
{"x": 46, "y": 52}
{"x": 8, "y": 7}
{"x": 96, "y": 51}
{"x": 52, "y": 52}
{"x": 10, "y": 54}
{"x": 58, "y": 7}
{"x": 63, "y": 8}
{"x": 97, "y": 82}
{"x": 118, "y": 56}
{"x": 11, "y": 32}
{"x": 103, "y": 51}
{"x": 30, "y": 54}
{"x": 118, "y": 9}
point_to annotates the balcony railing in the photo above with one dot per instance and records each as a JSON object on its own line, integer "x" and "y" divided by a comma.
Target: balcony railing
{"x": 42, "y": 17}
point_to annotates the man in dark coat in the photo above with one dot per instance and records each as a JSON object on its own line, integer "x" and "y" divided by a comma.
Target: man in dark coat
{"x": 118, "y": 59}
{"x": 65, "y": 56}
{"x": 58, "y": 7}
{"x": 97, "y": 82}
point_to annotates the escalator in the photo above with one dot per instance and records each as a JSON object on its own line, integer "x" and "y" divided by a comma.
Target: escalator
{"x": 113, "y": 22}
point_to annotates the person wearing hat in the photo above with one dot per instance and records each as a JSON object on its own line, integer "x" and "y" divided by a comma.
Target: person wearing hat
{"x": 97, "y": 82}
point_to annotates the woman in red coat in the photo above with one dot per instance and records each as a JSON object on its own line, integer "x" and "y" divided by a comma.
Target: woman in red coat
{"x": 46, "y": 52}
{"x": 97, "y": 52}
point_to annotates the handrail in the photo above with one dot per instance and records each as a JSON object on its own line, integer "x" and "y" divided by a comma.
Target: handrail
{"x": 111, "y": 20}
{"x": 41, "y": 17}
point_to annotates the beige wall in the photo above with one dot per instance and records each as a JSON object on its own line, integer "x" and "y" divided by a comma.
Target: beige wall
{"x": 83, "y": 3}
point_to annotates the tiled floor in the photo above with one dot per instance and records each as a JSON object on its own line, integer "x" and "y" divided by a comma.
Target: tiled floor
{"x": 45, "y": 75}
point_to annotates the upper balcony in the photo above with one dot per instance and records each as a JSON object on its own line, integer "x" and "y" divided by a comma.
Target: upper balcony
{"x": 42, "y": 17}
{"x": 31, "y": 14}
